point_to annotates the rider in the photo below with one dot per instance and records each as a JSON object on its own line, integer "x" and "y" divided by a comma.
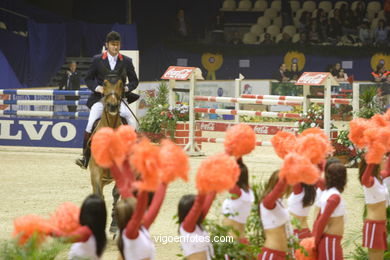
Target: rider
{"x": 102, "y": 64}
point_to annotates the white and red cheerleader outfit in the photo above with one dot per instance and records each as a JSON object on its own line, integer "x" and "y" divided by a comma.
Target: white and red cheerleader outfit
{"x": 193, "y": 238}
{"x": 273, "y": 214}
{"x": 295, "y": 206}
{"x": 239, "y": 205}
{"x": 84, "y": 246}
{"x": 374, "y": 231}
{"x": 328, "y": 245}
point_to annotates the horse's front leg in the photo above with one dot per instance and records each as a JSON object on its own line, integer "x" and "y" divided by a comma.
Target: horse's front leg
{"x": 96, "y": 179}
{"x": 115, "y": 196}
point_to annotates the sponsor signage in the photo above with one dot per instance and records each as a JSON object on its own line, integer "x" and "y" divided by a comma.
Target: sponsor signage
{"x": 313, "y": 78}
{"x": 66, "y": 133}
{"x": 259, "y": 129}
{"x": 178, "y": 73}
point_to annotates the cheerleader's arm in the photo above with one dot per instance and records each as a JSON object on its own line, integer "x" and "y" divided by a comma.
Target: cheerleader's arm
{"x": 154, "y": 208}
{"x": 269, "y": 201}
{"x": 193, "y": 216}
{"x": 368, "y": 178}
{"x": 132, "y": 227}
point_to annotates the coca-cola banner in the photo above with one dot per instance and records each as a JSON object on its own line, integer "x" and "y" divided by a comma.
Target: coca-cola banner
{"x": 313, "y": 78}
{"x": 259, "y": 129}
{"x": 178, "y": 73}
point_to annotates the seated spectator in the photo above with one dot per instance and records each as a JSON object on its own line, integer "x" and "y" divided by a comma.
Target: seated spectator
{"x": 335, "y": 71}
{"x": 303, "y": 39}
{"x": 313, "y": 34}
{"x": 236, "y": 39}
{"x": 342, "y": 76}
{"x": 294, "y": 73}
{"x": 365, "y": 35}
{"x": 381, "y": 33}
{"x": 304, "y": 22}
{"x": 181, "y": 27}
{"x": 286, "y": 38}
{"x": 360, "y": 12}
{"x": 349, "y": 23}
{"x": 267, "y": 39}
{"x": 334, "y": 30}
{"x": 380, "y": 74}
{"x": 322, "y": 22}
{"x": 283, "y": 73}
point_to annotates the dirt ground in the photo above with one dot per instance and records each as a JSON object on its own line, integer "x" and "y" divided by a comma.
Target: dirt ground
{"x": 37, "y": 180}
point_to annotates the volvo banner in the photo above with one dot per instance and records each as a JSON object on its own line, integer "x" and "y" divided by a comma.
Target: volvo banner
{"x": 65, "y": 133}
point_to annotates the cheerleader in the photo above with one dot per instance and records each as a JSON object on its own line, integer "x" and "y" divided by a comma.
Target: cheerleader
{"x": 275, "y": 219}
{"x": 89, "y": 240}
{"x": 238, "y": 207}
{"x": 299, "y": 203}
{"x": 329, "y": 226}
{"x": 192, "y": 211}
{"x": 376, "y": 197}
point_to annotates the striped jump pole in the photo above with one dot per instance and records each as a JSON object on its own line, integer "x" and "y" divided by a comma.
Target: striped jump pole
{"x": 346, "y": 101}
{"x": 43, "y": 102}
{"x": 222, "y": 140}
{"x": 247, "y": 101}
{"x": 246, "y": 113}
{"x": 48, "y": 92}
{"x": 42, "y": 113}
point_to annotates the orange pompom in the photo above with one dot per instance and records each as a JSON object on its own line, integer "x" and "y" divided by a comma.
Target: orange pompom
{"x": 101, "y": 142}
{"x": 240, "y": 140}
{"x": 128, "y": 136}
{"x": 313, "y": 147}
{"x": 217, "y": 173}
{"x": 26, "y": 226}
{"x": 356, "y": 131}
{"x": 321, "y": 134}
{"x": 174, "y": 162}
{"x": 283, "y": 143}
{"x": 117, "y": 150}
{"x": 145, "y": 159}
{"x": 66, "y": 217}
{"x": 376, "y": 140}
{"x": 309, "y": 245}
{"x": 296, "y": 168}
{"x": 378, "y": 120}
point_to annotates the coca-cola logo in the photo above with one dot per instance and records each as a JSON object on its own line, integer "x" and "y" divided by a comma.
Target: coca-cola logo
{"x": 312, "y": 78}
{"x": 210, "y": 126}
{"x": 178, "y": 73}
{"x": 261, "y": 129}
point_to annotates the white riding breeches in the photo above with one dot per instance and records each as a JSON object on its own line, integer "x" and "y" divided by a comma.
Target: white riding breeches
{"x": 97, "y": 110}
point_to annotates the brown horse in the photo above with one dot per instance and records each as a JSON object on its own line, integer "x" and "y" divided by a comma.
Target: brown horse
{"x": 113, "y": 93}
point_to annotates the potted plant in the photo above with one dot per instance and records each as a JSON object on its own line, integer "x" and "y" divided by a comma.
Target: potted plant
{"x": 162, "y": 120}
{"x": 344, "y": 149}
{"x": 313, "y": 118}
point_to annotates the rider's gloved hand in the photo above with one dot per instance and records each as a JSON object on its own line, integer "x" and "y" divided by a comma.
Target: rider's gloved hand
{"x": 99, "y": 89}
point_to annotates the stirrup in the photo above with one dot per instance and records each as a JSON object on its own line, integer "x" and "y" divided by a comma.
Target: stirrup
{"x": 82, "y": 162}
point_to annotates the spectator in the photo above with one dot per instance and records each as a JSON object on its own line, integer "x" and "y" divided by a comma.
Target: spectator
{"x": 236, "y": 39}
{"x": 71, "y": 81}
{"x": 302, "y": 39}
{"x": 365, "y": 35}
{"x": 342, "y": 76}
{"x": 267, "y": 39}
{"x": 181, "y": 24}
{"x": 381, "y": 33}
{"x": 313, "y": 34}
{"x": 304, "y": 22}
{"x": 286, "y": 38}
{"x": 360, "y": 12}
{"x": 349, "y": 23}
{"x": 380, "y": 74}
{"x": 322, "y": 22}
{"x": 283, "y": 73}
{"x": 334, "y": 30}
{"x": 335, "y": 71}
{"x": 294, "y": 73}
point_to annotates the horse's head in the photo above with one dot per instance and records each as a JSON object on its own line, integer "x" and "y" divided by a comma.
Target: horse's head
{"x": 113, "y": 93}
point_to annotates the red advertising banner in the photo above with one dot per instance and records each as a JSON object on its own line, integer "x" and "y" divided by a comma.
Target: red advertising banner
{"x": 313, "y": 78}
{"x": 259, "y": 129}
{"x": 178, "y": 73}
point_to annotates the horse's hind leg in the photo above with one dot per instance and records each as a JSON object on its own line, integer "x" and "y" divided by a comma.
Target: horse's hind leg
{"x": 115, "y": 196}
{"x": 96, "y": 180}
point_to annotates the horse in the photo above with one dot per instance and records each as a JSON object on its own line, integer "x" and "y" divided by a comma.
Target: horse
{"x": 113, "y": 93}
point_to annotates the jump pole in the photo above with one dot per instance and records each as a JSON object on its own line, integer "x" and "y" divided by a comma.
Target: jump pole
{"x": 237, "y": 91}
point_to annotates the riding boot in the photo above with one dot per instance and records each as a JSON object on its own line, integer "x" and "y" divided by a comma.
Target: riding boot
{"x": 83, "y": 161}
